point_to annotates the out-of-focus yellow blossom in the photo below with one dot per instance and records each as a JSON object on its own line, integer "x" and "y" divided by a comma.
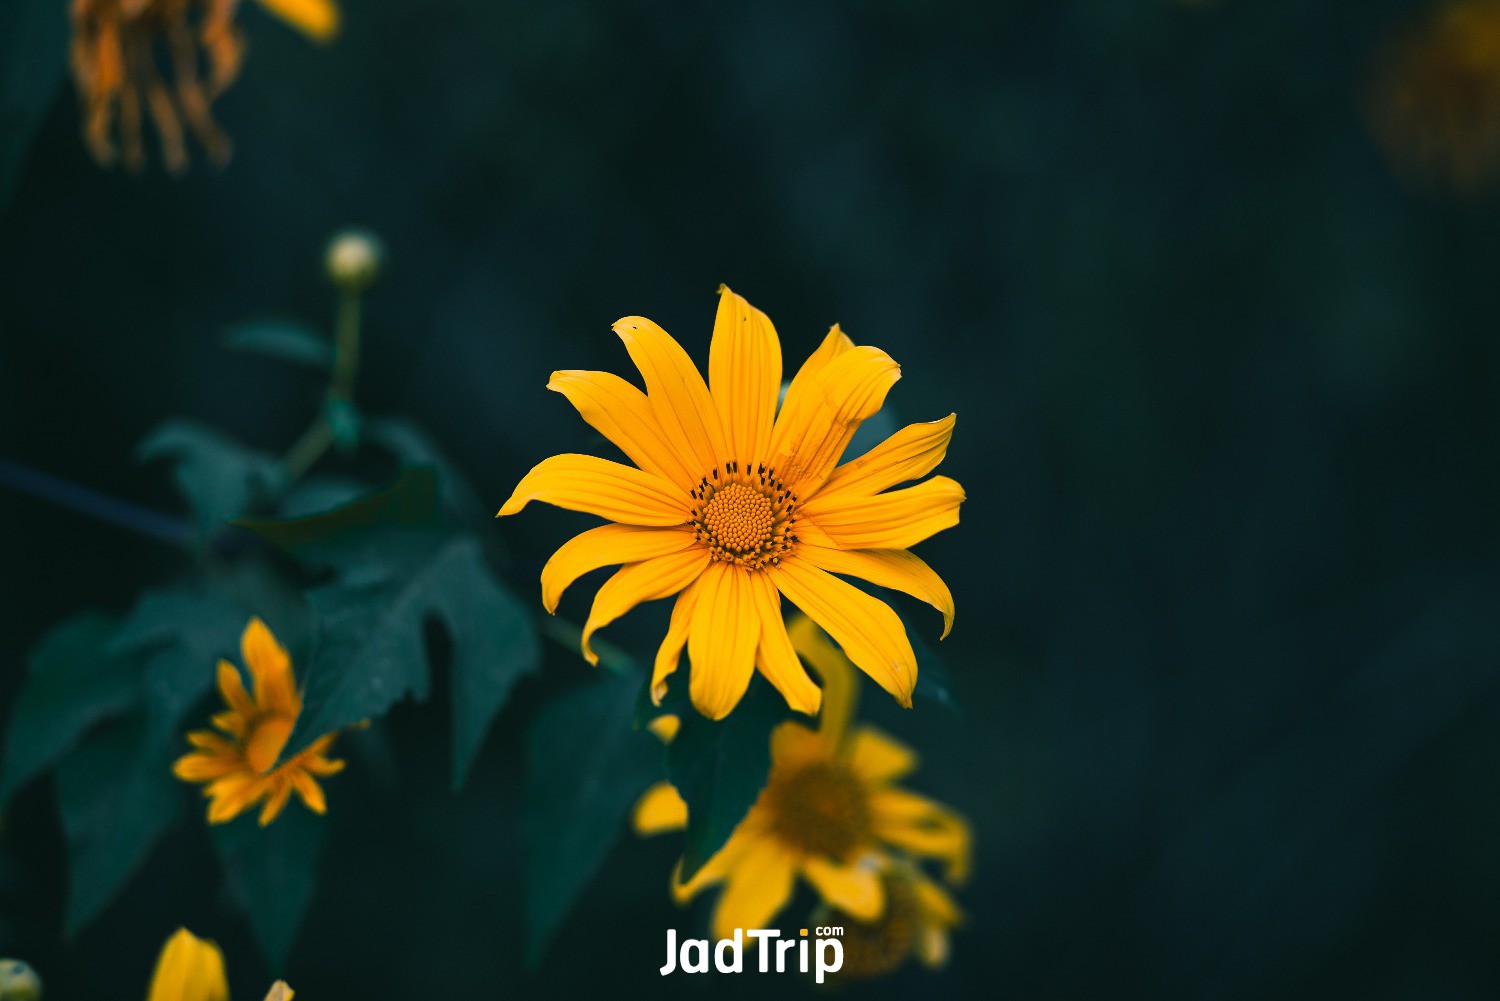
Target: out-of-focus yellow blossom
{"x": 733, "y": 504}
{"x": 239, "y": 764}
{"x": 189, "y": 969}
{"x": 919, "y": 916}
{"x": 119, "y": 50}
{"x": 830, "y": 812}
{"x": 1434, "y": 101}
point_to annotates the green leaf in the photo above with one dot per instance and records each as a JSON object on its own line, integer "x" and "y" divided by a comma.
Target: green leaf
{"x": 271, "y": 873}
{"x": 219, "y": 478}
{"x": 933, "y": 680}
{"x": 117, "y": 797}
{"x": 371, "y": 649}
{"x": 411, "y": 446}
{"x": 73, "y": 684}
{"x": 283, "y": 340}
{"x": 33, "y": 55}
{"x": 328, "y": 536}
{"x": 494, "y": 644}
{"x": 721, "y": 766}
{"x": 586, "y": 765}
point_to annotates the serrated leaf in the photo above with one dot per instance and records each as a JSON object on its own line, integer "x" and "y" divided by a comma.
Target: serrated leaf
{"x": 271, "y": 874}
{"x": 371, "y": 648}
{"x": 72, "y": 685}
{"x": 328, "y": 536}
{"x": 720, "y": 766}
{"x": 117, "y": 796}
{"x": 33, "y": 55}
{"x": 283, "y": 340}
{"x": 219, "y": 478}
{"x": 586, "y": 765}
{"x": 411, "y": 446}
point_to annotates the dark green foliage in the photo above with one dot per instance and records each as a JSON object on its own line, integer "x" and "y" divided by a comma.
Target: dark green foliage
{"x": 219, "y": 478}
{"x": 720, "y": 766}
{"x": 271, "y": 873}
{"x": 586, "y": 764}
{"x": 283, "y": 340}
{"x": 33, "y": 47}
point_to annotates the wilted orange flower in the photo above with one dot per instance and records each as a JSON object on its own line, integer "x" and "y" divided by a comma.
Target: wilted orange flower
{"x": 239, "y": 764}
{"x": 118, "y": 52}
{"x": 1434, "y": 104}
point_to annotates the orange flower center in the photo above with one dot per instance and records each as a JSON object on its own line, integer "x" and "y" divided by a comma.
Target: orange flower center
{"x": 265, "y": 740}
{"x": 745, "y": 517}
{"x": 821, "y": 808}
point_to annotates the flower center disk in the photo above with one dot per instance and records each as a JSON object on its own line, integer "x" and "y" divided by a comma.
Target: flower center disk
{"x": 744, "y": 517}
{"x": 821, "y": 808}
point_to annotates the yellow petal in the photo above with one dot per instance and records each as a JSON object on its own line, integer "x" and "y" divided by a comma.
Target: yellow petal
{"x": 909, "y": 454}
{"x": 677, "y": 393}
{"x": 669, "y": 654}
{"x": 634, "y": 583}
{"x": 270, "y": 669}
{"x": 233, "y": 794}
{"x": 621, "y": 412}
{"x": 189, "y": 969}
{"x": 897, "y": 519}
{"x": 854, "y": 889}
{"x": 877, "y": 758}
{"x": 232, "y": 687}
{"x": 932, "y": 946}
{"x": 309, "y": 791}
{"x": 593, "y": 485}
{"x": 893, "y": 568}
{"x": 923, "y": 827}
{"x": 759, "y": 886}
{"x": 813, "y": 432}
{"x": 802, "y": 394}
{"x": 870, "y": 633}
{"x": 281, "y": 791}
{"x": 605, "y": 546}
{"x": 725, "y": 632}
{"x": 744, "y": 374}
{"x": 665, "y": 727}
{"x": 280, "y": 992}
{"x": 659, "y": 809}
{"x": 934, "y": 903}
{"x": 717, "y": 868}
{"x": 775, "y": 657}
{"x": 317, "y": 19}
{"x": 840, "y": 686}
{"x": 198, "y": 767}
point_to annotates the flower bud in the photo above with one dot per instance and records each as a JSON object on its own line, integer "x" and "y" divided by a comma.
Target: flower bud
{"x": 19, "y": 982}
{"x": 353, "y": 259}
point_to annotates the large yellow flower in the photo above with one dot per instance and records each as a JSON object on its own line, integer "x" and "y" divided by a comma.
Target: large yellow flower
{"x": 830, "y": 812}
{"x": 732, "y": 504}
{"x": 115, "y": 66}
{"x": 239, "y": 764}
{"x": 192, "y": 969}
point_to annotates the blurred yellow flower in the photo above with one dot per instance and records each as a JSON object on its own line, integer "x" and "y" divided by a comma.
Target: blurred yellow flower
{"x": 731, "y": 505}
{"x": 919, "y": 915}
{"x": 192, "y": 969}
{"x": 189, "y": 969}
{"x": 239, "y": 765}
{"x": 830, "y": 812}
{"x": 117, "y": 71}
{"x": 1434, "y": 103}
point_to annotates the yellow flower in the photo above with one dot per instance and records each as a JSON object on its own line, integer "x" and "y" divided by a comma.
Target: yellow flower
{"x": 732, "y": 504}
{"x": 830, "y": 812}
{"x": 919, "y": 915}
{"x": 189, "y": 969}
{"x": 239, "y": 765}
{"x": 116, "y": 69}
{"x": 192, "y": 969}
{"x": 1435, "y": 102}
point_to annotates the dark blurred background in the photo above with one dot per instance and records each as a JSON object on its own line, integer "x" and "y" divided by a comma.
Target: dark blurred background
{"x": 1228, "y": 598}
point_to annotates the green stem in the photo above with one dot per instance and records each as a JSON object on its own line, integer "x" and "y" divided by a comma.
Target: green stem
{"x": 318, "y": 437}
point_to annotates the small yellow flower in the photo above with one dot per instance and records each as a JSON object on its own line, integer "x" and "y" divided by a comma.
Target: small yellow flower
{"x": 239, "y": 765}
{"x": 830, "y": 812}
{"x": 189, "y": 969}
{"x": 116, "y": 69}
{"x": 733, "y": 504}
{"x": 1435, "y": 101}
{"x": 919, "y": 916}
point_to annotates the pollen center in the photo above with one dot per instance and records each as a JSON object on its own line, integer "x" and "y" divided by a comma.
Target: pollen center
{"x": 744, "y": 516}
{"x": 265, "y": 740}
{"x": 820, "y": 808}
